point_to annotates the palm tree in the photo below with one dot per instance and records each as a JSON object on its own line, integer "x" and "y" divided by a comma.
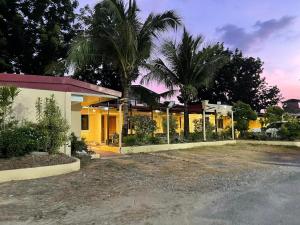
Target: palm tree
{"x": 117, "y": 35}
{"x": 185, "y": 67}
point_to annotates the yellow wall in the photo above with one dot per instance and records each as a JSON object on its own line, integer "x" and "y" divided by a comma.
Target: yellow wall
{"x": 254, "y": 124}
{"x": 97, "y": 132}
{"x": 94, "y": 134}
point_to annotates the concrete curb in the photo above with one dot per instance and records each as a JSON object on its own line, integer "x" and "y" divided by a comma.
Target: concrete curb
{"x": 166, "y": 147}
{"x": 39, "y": 172}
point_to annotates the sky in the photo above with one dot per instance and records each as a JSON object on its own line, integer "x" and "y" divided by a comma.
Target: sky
{"x": 268, "y": 29}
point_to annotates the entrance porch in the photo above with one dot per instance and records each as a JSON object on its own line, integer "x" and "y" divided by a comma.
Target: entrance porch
{"x": 100, "y": 127}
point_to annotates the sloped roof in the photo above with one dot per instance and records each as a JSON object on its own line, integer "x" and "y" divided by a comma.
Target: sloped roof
{"x": 64, "y": 84}
{"x": 292, "y": 100}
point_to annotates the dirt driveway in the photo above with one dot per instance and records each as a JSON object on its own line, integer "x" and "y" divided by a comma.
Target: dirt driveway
{"x": 240, "y": 184}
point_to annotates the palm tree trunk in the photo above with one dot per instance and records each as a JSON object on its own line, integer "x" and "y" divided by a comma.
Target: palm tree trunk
{"x": 186, "y": 121}
{"x": 125, "y": 109}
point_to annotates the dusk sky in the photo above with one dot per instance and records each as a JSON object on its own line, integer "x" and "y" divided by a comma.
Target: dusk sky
{"x": 269, "y": 29}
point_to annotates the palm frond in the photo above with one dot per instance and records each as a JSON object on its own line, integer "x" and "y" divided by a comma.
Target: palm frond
{"x": 161, "y": 22}
{"x": 186, "y": 65}
{"x": 82, "y": 52}
{"x": 160, "y": 73}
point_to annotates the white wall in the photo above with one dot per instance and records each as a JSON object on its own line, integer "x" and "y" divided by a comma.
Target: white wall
{"x": 24, "y": 106}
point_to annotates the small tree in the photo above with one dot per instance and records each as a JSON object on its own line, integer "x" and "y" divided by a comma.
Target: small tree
{"x": 173, "y": 125}
{"x": 198, "y": 128}
{"x": 51, "y": 121}
{"x": 273, "y": 114}
{"x": 7, "y": 97}
{"x": 290, "y": 130}
{"x": 243, "y": 113}
{"x": 144, "y": 126}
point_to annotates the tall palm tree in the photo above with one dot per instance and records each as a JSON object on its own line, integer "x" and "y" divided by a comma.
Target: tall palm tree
{"x": 185, "y": 68}
{"x": 117, "y": 35}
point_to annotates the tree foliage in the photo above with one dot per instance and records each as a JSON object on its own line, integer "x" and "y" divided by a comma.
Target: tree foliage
{"x": 117, "y": 35}
{"x": 7, "y": 97}
{"x": 188, "y": 65}
{"x": 52, "y": 123}
{"x": 273, "y": 114}
{"x": 144, "y": 127}
{"x": 290, "y": 130}
{"x": 243, "y": 113}
{"x": 240, "y": 80}
{"x": 34, "y": 34}
{"x": 102, "y": 74}
{"x": 172, "y": 123}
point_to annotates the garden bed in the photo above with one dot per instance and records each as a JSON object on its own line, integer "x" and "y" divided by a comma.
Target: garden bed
{"x": 32, "y": 161}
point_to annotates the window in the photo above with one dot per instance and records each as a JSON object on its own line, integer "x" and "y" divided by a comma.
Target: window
{"x": 84, "y": 122}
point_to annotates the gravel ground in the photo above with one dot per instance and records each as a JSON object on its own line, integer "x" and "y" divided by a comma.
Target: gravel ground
{"x": 240, "y": 184}
{"x": 30, "y": 161}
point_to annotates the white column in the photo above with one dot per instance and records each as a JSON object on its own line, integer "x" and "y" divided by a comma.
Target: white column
{"x": 232, "y": 125}
{"x": 168, "y": 126}
{"x": 120, "y": 126}
{"x": 204, "y": 126}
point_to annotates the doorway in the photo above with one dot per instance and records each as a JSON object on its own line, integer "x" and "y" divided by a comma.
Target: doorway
{"x": 108, "y": 128}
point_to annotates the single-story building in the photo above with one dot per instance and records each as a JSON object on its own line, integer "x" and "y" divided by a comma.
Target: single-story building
{"x": 72, "y": 96}
{"x": 93, "y": 111}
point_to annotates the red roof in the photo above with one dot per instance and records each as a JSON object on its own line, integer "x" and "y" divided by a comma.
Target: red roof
{"x": 64, "y": 84}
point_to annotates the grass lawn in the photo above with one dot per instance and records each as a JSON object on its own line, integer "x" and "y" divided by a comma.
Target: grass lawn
{"x": 154, "y": 188}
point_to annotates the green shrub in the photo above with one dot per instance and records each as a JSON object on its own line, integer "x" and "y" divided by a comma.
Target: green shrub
{"x": 19, "y": 141}
{"x": 12, "y": 143}
{"x": 196, "y": 136}
{"x": 209, "y": 129}
{"x": 144, "y": 127}
{"x": 154, "y": 140}
{"x": 243, "y": 113}
{"x": 77, "y": 145}
{"x": 273, "y": 114}
{"x": 7, "y": 97}
{"x": 130, "y": 140}
{"x": 290, "y": 130}
{"x": 225, "y": 134}
{"x": 173, "y": 125}
{"x": 52, "y": 123}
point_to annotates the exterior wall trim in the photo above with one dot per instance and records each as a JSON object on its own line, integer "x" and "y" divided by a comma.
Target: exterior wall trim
{"x": 166, "y": 147}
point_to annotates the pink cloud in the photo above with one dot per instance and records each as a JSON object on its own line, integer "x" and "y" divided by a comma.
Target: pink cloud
{"x": 286, "y": 82}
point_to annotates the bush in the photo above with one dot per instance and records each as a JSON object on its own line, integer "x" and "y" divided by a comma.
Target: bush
{"x": 290, "y": 130}
{"x": 130, "y": 140}
{"x": 7, "y": 97}
{"x": 226, "y": 134}
{"x": 19, "y": 141}
{"x": 144, "y": 127}
{"x": 154, "y": 140}
{"x": 198, "y": 128}
{"x": 77, "y": 145}
{"x": 243, "y": 113}
{"x": 196, "y": 136}
{"x": 173, "y": 126}
{"x": 52, "y": 123}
